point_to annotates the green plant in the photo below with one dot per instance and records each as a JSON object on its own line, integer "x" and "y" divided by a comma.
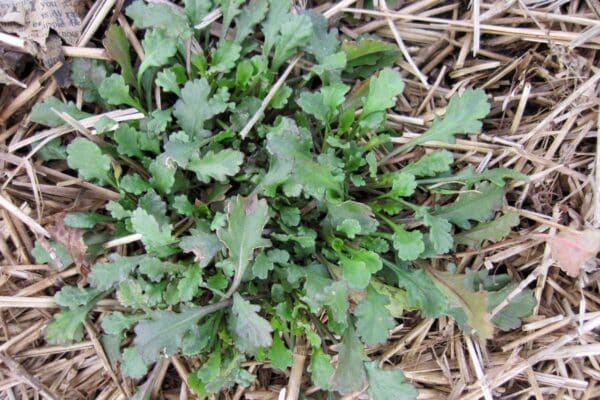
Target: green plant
{"x": 247, "y": 244}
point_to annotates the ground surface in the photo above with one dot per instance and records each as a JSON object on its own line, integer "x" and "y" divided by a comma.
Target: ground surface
{"x": 538, "y": 59}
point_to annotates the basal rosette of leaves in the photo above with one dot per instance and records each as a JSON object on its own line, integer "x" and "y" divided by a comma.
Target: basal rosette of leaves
{"x": 299, "y": 230}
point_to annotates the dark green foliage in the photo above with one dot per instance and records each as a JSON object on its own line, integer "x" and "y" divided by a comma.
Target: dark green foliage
{"x": 239, "y": 247}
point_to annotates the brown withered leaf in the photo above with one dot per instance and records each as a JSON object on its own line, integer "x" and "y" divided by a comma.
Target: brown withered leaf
{"x": 71, "y": 238}
{"x": 570, "y": 250}
{"x": 6, "y": 79}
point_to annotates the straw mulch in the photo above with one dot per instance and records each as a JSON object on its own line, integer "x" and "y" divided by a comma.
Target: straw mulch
{"x": 538, "y": 59}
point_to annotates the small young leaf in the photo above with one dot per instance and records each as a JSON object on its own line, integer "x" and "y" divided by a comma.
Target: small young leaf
{"x": 323, "y": 43}
{"x": 382, "y": 91}
{"x": 230, "y": 9}
{"x": 128, "y": 140}
{"x": 324, "y": 104}
{"x": 249, "y": 17}
{"x": 117, "y": 45}
{"x": 117, "y": 211}
{"x": 203, "y": 244}
{"x": 330, "y": 69}
{"x": 73, "y": 296}
{"x": 250, "y": 330}
{"x": 158, "y": 48}
{"x": 321, "y": 369}
{"x": 494, "y": 230}
{"x": 217, "y": 375}
{"x": 279, "y": 354}
{"x": 421, "y": 292}
{"x": 281, "y": 97}
{"x": 479, "y": 206}
{"x": 117, "y": 322}
{"x": 197, "y": 9}
{"x": 189, "y": 285}
{"x": 217, "y": 166}
{"x": 373, "y": 318}
{"x": 350, "y": 375}
{"x": 403, "y": 185}
{"x": 295, "y": 32}
{"x": 398, "y": 302}
{"x": 159, "y": 15}
{"x": 225, "y": 56}
{"x": 154, "y": 236}
{"x": 67, "y": 326}
{"x": 133, "y": 365}
{"x": 163, "y": 332}
{"x": 352, "y": 210}
{"x": 106, "y": 275}
{"x": 276, "y": 17}
{"x": 155, "y": 269}
{"x": 463, "y": 115}
{"x": 408, "y": 244}
{"x": 371, "y": 159}
{"x": 321, "y": 291}
{"x": 439, "y": 232}
{"x": 167, "y": 80}
{"x": 246, "y": 219}
{"x": 388, "y": 384}
{"x": 262, "y": 265}
{"x": 359, "y": 267}
{"x": 202, "y": 339}
{"x": 312, "y": 103}
{"x": 292, "y": 164}
{"x": 53, "y": 150}
{"x": 496, "y": 175}
{"x": 42, "y": 113}
{"x": 154, "y": 124}
{"x": 42, "y": 257}
{"x": 85, "y": 220}
{"x": 131, "y": 294}
{"x": 431, "y": 164}
{"x": 163, "y": 173}
{"x": 155, "y": 206}
{"x": 183, "y": 205}
{"x": 87, "y": 158}
{"x": 350, "y": 227}
{"x": 194, "y": 107}
{"x": 88, "y": 74}
{"x": 520, "y": 306}
{"x": 335, "y": 298}
{"x": 135, "y": 184}
{"x": 355, "y": 272}
{"x": 368, "y": 56}
{"x": 116, "y": 92}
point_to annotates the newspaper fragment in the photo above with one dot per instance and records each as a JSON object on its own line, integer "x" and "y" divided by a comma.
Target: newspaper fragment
{"x": 33, "y": 19}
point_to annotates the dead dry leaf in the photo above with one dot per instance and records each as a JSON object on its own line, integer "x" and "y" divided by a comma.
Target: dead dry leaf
{"x": 571, "y": 250}
{"x": 6, "y": 79}
{"x": 71, "y": 238}
{"x": 53, "y": 53}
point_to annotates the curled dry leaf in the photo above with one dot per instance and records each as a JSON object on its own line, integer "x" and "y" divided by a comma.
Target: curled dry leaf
{"x": 71, "y": 238}
{"x": 570, "y": 250}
